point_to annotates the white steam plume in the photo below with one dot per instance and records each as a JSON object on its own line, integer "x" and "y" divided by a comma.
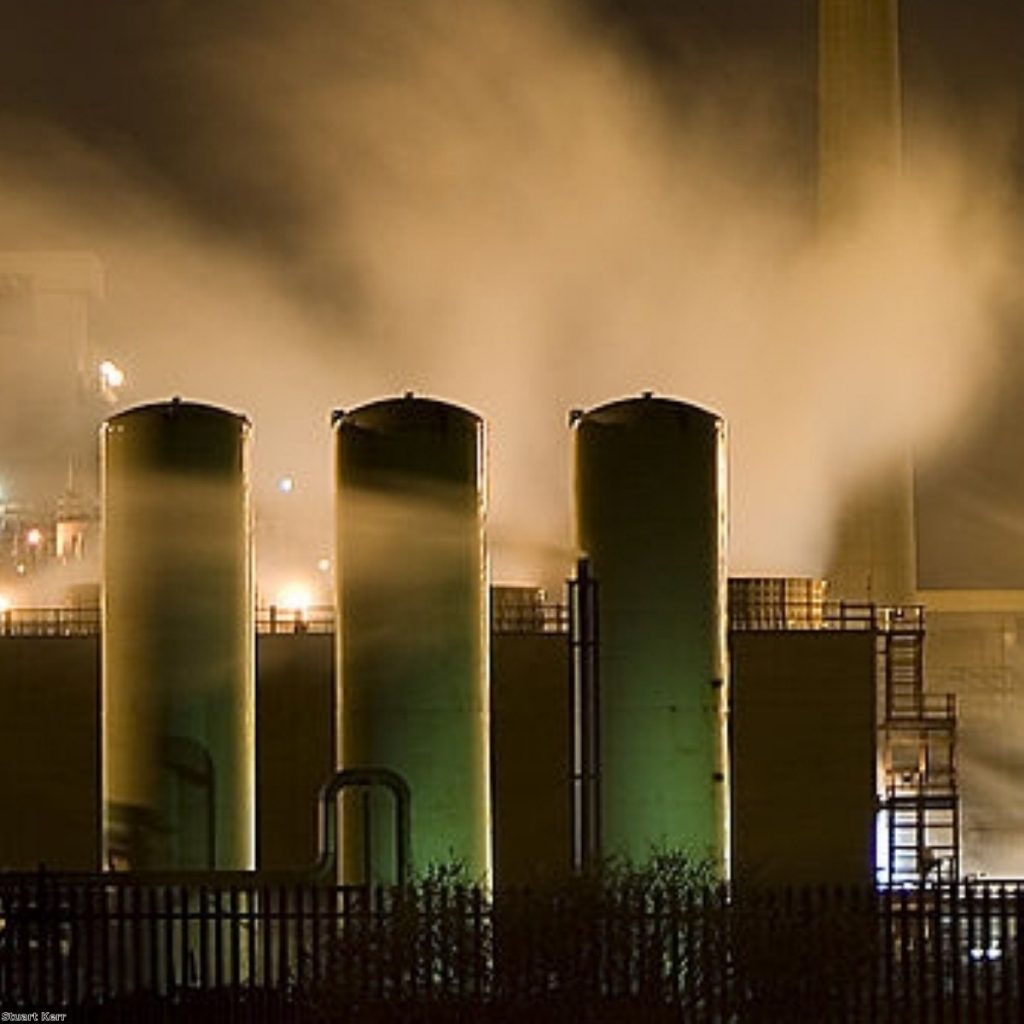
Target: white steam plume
{"x": 516, "y": 220}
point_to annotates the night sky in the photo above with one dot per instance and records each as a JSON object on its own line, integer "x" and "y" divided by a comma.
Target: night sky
{"x": 130, "y": 80}
{"x": 123, "y": 77}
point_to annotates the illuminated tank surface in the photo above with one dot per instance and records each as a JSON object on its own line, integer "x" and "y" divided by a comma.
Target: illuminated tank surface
{"x": 178, "y": 742}
{"x": 413, "y": 637}
{"x": 650, "y": 514}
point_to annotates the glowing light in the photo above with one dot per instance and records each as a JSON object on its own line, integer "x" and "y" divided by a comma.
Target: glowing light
{"x": 296, "y": 597}
{"x": 111, "y": 375}
{"x": 5, "y": 603}
{"x": 978, "y": 953}
{"x": 324, "y": 564}
{"x": 34, "y": 537}
{"x": 286, "y": 485}
{"x": 20, "y": 568}
{"x": 882, "y": 847}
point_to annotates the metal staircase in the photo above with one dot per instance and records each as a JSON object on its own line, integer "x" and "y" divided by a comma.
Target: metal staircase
{"x": 920, "y": 799}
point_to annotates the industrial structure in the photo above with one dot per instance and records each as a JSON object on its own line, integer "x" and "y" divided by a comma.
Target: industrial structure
{"x": 178, "y": 731}
{"x": 833, "y": 730}
{"x": 973, "y": 632}
{"x": 537, "y": 735}
{"x": 48, "y": 501}
{"x": 920, "y": 796}
{"x": 412, "y": 639}
{"x": 859, "y": 102}
{"x": 650, "y": 517}
{"x": 531, "y": 696}
{"x": 973, "y": 653}
{"x": 859, "y": 153}
{"x": 804, "y": 735}
{"x": 555, "y": 735}
{"x": 623, "y": 691}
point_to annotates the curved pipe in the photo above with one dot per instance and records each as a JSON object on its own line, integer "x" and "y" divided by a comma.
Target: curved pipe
{"x": 325, "y": 869}
{"x": 327, "y": 862}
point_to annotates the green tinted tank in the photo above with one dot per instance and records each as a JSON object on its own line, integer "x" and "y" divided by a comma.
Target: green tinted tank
{"x": 650, "y": 515}
{"x": 178, "y": 739}
{"x": 413, "y": 639}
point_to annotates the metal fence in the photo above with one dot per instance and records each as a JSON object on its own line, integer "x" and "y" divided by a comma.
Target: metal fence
{"x": 794, "y": 614}
{"x": 276, "y": 952}
{"x": 277, "y": 621}
{"x": 519, "y": 619}
{"x": 51, "y": 622}
{"x": 72, "y": 622}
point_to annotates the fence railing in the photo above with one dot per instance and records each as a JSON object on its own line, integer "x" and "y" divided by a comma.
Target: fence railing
{"x": 70, "y": 622}
{"x": 529, "y": 618}
{"x": 277, "y": 621}
{"x": 795, "y": 614}
{"x": 55, "y": 622}
{"x": 506, "y": 618}
{"x": 700, "y": 954}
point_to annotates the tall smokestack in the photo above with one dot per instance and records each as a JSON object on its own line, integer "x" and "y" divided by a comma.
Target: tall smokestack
{"x": 859, "y": 122}
{"x": 859, "y": 148}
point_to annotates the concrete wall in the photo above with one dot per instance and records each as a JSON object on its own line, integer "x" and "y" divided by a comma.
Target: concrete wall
{"x": 979, "y": 656}
{"x": 530, "y": 757}
{"x": 804, "y": 761}
{"x": 50, "y": 756}
{"x": 295, "y": 731}
{"x": 49, "y": 753}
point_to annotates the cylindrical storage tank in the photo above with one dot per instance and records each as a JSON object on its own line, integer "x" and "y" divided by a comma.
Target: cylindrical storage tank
{"x": 178, "y": 642}
{"x": 412, "y": 638}
{"x": 650, "y": 516}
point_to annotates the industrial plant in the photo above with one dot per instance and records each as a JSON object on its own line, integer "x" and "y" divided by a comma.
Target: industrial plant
{"x": 198, "y": 732}
{"x": 656, "y": 704}
{"x": 203, "y": 775}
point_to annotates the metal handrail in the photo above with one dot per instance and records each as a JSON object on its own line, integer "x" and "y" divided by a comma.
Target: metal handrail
{"x": 74, "y": 622}
{"x": 275, "y": 621}
{"x": 56, "y": 622}
{"x": 513, "y": 618}
{"x": 794, "y": 615}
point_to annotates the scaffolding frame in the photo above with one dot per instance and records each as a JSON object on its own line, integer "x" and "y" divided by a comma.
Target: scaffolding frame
{"x": 920, "y": 797}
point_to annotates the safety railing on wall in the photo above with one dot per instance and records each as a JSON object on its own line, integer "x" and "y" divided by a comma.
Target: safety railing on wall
{"x": 529, "y": 618}
{"x": 275, "y": 621}
{"x": 57, "y": 622}
{"x": 836, "y": 615}
{"x": 70, "y": 622}
{"x": 627, "y": 952}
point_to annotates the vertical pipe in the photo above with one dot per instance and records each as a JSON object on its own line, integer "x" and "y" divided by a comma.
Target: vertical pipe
{"x": 585, "y": 717}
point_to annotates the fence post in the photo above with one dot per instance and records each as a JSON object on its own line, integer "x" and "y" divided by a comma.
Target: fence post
{"x": 956, "y": 951}
{"x": 938, "y": 954}
{"x": 1018, "y": 986}
{"x": 972, "y": 974}
{"x": 479, "y": 952}
{"x": 985, "y": 945}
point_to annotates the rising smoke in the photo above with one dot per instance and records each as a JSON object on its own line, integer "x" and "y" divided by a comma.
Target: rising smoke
{"x": 496, "y": 204}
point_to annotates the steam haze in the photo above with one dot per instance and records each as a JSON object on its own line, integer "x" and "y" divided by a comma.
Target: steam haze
{"x": 501, "y": 205}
